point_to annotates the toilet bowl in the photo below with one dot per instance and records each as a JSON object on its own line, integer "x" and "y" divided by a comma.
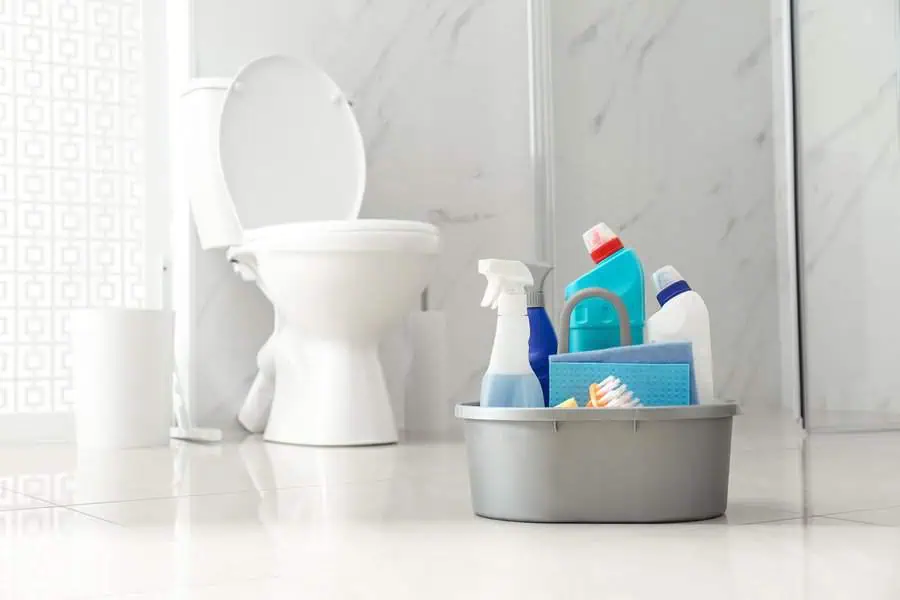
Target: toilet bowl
{"x": 275, "y": 174}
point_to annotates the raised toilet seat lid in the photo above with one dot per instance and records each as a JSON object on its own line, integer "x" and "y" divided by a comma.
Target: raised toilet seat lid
{"x": 290, "y": 147}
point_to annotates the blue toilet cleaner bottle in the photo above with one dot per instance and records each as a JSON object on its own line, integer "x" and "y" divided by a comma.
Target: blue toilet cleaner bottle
{"x": 594, "y": 324}
{"x": 542, "y": 342}
{"x": 509, "y": 380}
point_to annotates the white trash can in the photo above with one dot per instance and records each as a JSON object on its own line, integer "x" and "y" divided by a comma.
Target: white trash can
{"x": 122, "y": 374}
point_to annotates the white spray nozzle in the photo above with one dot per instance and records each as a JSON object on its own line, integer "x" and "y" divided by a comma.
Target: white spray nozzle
{"x": 491, "y": 293}
{"x": 539, "y": 273}
{"x": 504, "y": 277}
{"x": 665, "y": 277}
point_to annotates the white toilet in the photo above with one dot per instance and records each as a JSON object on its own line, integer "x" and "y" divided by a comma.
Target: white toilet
{"x": 275, "y": 173}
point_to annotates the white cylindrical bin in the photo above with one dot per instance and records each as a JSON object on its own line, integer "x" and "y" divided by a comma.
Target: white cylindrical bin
{"x": 122, "y": 377}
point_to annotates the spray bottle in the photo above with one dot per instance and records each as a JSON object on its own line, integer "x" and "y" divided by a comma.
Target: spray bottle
{"x": 509, "y": 380}
{"x": 542, "y": 343}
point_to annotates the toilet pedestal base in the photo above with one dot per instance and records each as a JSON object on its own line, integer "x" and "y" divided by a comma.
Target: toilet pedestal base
{"x": 330, "y": 393}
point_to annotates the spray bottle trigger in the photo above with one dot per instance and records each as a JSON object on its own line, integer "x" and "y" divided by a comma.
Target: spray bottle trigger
{"x": 491, "y": 293}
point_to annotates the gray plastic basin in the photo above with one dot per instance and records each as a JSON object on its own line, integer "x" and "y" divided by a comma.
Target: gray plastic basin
{"x": 585, "y": 465}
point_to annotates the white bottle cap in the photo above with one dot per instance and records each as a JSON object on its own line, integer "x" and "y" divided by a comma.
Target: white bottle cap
{"x": 601, "y": 241}
{"x": 665, "y": 277}
{"x": 597, "y": 235}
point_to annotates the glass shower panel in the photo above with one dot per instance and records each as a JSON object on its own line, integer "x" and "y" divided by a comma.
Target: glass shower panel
{"x": 849, "y": 210}
{"x": 663, "y": 129}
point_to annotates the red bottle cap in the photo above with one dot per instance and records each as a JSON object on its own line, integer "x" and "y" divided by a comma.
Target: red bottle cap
{"x": 601, "y": 242}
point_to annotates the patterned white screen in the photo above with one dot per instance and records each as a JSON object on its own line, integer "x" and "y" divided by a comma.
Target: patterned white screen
{"x": 71, "y": 183}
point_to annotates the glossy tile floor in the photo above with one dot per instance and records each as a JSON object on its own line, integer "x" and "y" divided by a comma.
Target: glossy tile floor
{"x": 808, "y": 518}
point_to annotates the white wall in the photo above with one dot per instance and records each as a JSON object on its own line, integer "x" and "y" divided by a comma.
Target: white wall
{"x": 664, "y": 129}
{"x": 850, "y": 186}
{"x": 441, "y": 93}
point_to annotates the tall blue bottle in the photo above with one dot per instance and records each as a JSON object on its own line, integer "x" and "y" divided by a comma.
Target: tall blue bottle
{"x": 595, "y": 324}
{"x": 542, "y": 342}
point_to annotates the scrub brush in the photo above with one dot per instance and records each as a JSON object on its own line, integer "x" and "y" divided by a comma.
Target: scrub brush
{"x": 570, "y": 403}
{"x": 611, "y": 393}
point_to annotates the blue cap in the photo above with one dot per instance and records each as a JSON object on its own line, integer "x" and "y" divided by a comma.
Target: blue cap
{"x": 669, "y": 283}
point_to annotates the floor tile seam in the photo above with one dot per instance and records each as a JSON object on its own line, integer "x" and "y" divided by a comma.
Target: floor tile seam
{"x": 863, "y": 509}
{"x": 318, "y": 485}
{"x": 843, "y": 520}
{"x": 48, "y": 503}
{"x": 843, "y": 514}
{"x": 172, "y": 590}
{"x": 76, "y": 505}
{"x": 803, "y": 519}
{"x": 27, "y": 508}
{"x": 90, "y": 516}
{"x": 796, "y": 517}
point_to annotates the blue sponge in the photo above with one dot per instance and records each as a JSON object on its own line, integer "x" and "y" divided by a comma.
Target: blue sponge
{"x": 661, "y": 353}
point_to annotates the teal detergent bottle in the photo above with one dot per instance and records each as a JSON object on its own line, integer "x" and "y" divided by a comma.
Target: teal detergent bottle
{"x": 594, "y": 324}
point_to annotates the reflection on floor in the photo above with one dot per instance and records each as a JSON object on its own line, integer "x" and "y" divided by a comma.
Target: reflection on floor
{"x": 852, "y": 420}
{"x": 808, "y": 518}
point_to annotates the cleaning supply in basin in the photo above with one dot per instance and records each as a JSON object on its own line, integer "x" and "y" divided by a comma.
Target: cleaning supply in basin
{"x": 570, "y": 403}
{"x": 542, "y": 342}
{"x": 683, "y": 316}
{"x": 621, "y": 397}
{"x": 658, "y": 384}
{"x": 597, "y": 392}
{"x": 594, "y": 323}
{"x": 611, "y": 393}
{"x": 658, "y": 374}
{"x": 509, "y": 380}
{"x": 626, "y": 400}
{"x": 658, "y": 353}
